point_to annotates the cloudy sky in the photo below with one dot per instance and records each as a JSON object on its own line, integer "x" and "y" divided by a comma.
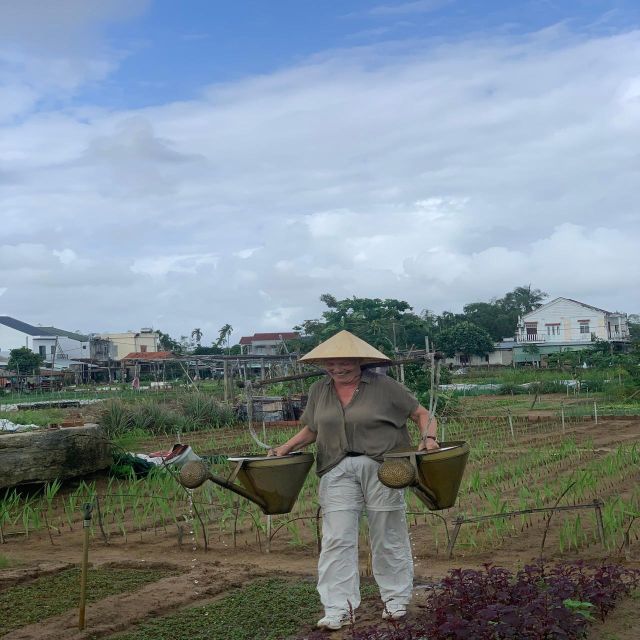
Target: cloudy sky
{"x": 191, "y": 164}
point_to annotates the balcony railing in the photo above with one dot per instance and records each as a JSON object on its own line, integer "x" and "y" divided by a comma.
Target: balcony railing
{"x": 524, "y": 338}
{"x": 530, "y": 337}
{"x": 619, "y": 335}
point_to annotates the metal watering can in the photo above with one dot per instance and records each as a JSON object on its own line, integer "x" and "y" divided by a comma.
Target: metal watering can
{"x": 434, "y": 476}
{"x": 273, "y": 483}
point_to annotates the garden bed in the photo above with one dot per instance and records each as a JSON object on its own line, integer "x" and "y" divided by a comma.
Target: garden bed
{"x": 146, "y": 521}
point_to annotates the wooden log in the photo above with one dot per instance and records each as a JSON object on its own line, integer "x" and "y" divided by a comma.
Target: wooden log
{"x": 42, "y": 456}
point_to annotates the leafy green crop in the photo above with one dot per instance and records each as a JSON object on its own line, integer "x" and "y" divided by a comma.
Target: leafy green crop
{"x": 51, "y": 595}
{"x": 267, "y": 609}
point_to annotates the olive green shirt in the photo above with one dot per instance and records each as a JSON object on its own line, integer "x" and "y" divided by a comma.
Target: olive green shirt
{"x": 373, "y": 423}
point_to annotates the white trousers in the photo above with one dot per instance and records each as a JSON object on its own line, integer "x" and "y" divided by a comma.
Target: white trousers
{"x": 344, "y": 491}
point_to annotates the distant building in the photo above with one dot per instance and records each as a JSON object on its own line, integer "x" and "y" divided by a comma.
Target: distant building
{"x": 566, "y": 325}
{"x": 266, "y": 344}
{"x": 502, "y": 355}
{"x": 56, "y": 346}
{"x": 560, "y": 325}
{"x": 15, "y": 334}
{"x": 145, "y": 340}
{"x": 136, "y": 363}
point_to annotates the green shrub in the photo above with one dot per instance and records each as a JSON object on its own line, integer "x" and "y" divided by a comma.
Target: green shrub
{"x": 154, "y": 417}
{"x": 204, "y": 411}
{"x": 551, "y": 386}
{"x": 448, "y": 403}
{"x": 510, "y": 389}
{"x": 592, "y": 383}
{"x": 115, "y": 418}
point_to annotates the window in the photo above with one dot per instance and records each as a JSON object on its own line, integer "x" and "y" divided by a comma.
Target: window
{"x": 584, "y": 326}
{"x": 42, "y": 350}
{"x": 532, "y": 328}
{"x": 143, "y": 348}
{"x": 53, "y": 349}
{"x": 553, "y": 329}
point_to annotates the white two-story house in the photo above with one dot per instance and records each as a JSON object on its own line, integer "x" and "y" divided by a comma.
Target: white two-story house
{"x": 566, "y": 324}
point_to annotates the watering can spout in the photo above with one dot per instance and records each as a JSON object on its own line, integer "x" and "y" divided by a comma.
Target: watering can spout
{"x": 273, "y": 483}
{"x": 195, "y": 473}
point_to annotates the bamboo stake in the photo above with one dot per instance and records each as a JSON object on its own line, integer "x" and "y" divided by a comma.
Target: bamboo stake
{"x": 86, "y": 524}
{"x": 596, "y": 506}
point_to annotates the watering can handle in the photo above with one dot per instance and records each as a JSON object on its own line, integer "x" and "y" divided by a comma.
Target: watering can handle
{"x": 234, "y": 472}
{"x": 420, "y": 486}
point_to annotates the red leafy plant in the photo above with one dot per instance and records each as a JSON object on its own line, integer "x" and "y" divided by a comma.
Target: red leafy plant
{"x": 538, "y": 602}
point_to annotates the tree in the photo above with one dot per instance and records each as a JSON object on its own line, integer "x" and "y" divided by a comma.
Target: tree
{"x": 499, "y": 317}
{"x": 492, "y": 318}
{"x": 167, "y": 343}
{"x": 634, "y": 327}
{"x": 207, "y": 351}
{"x": 523, "y": 299}
{"x": 465, "y": 338}
{"x": 389, "y": 325}
{"x": 196, "y": 334}
{"x": 24, "y": 361}
{"x": 223, "y": 336}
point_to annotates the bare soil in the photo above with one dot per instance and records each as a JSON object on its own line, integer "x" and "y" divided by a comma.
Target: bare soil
{"x": 209, "y": 575}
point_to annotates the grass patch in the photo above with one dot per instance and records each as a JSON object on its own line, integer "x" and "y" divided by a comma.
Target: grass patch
{"x": 5, "y": 563}
{"x": 41, "y": 417}
{"x": 266, "y": 609}
{"x": 51, "y": 595}
{"x": 132, "y": 440}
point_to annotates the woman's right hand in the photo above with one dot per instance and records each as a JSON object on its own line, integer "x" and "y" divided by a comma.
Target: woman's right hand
{"x": 282, "y": 450}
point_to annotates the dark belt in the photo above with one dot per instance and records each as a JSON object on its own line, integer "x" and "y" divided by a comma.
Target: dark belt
{"x": 353, "y": 454}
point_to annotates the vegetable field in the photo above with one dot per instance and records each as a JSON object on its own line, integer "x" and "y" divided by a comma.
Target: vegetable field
{"x": 557, "y": 485}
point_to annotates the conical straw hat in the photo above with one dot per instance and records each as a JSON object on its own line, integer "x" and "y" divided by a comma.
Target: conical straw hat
{"x": 344, "y": 345}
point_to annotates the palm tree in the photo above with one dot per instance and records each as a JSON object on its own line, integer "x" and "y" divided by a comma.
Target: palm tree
{"x": 223, "y": 336}
{"x": 196, "y": 334}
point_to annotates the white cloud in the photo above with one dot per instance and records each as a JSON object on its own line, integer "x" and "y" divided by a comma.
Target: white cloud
{"x": 246, "y": 253}
{"x": 66, "y": 256}
{"x": 162, "y": 265}
{"x": 50, "y": 49}
{"x": 403, "y": 8}
{"x": 438, "y": 175}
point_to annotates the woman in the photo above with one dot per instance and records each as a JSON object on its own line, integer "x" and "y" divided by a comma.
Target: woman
{"x": 355, "y": 416}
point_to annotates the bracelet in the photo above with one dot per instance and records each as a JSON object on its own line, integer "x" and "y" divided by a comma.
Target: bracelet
{"x": 428, "y": 437}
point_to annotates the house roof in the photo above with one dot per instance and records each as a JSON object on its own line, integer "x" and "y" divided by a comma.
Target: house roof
{"x": 68, "y": 334}
{"x": 588, "y": 306}
{"x": 582, "y": 304}
{"x": 149, "y": 355}
{"x": 25, "y": 327}
{"x": 256, "y": 337}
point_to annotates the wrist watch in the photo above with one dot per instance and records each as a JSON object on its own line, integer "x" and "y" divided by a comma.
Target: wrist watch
{"x": 426, "y": 436}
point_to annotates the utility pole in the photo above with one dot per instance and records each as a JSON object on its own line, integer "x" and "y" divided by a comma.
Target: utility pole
{"x": 53, "y": 364}
{"x": 399, "y": 372}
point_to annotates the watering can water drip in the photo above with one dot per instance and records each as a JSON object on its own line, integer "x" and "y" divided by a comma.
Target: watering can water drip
{"x": 273, "y": 483}
{"x": 434, "y": 476}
